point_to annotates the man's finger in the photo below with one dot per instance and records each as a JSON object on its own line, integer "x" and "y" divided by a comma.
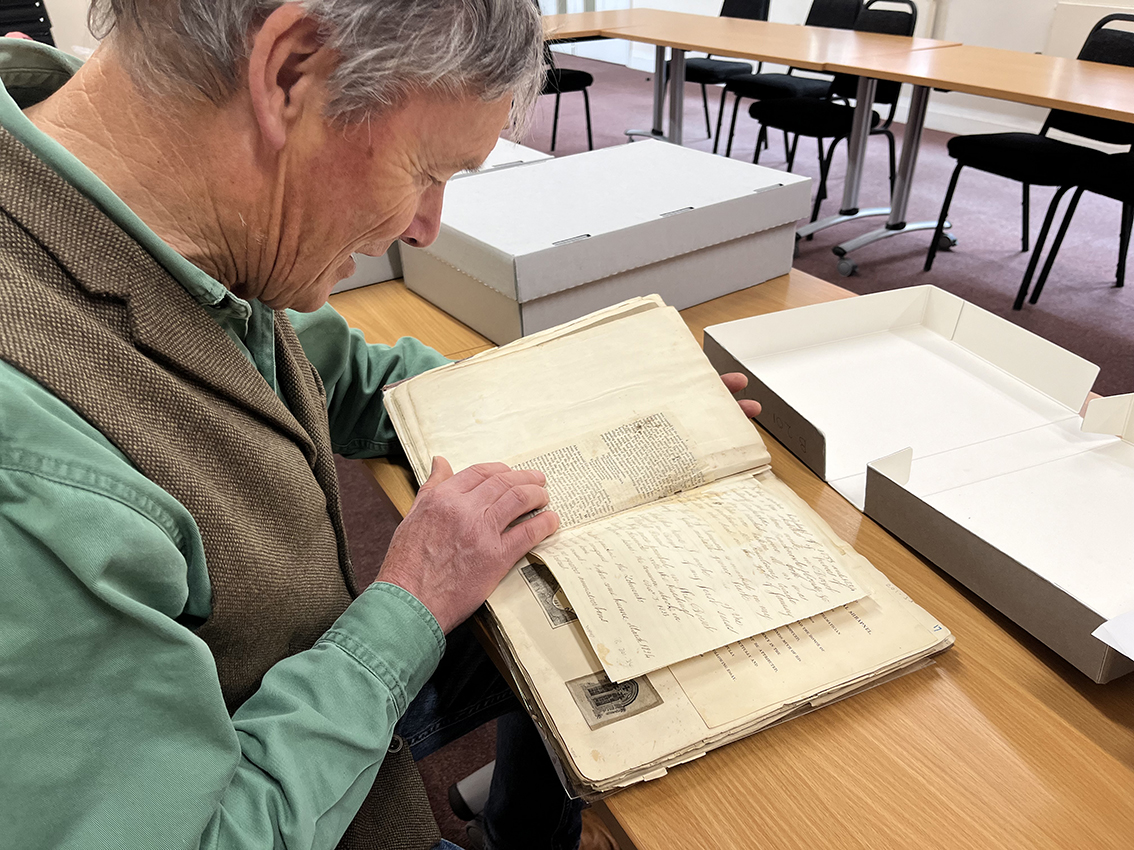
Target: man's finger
{"x": 525, "y": 536}
{"x": 473, "y": 476}
{"x": 514, "y": 503}
{"x": 750, "y": 407}
{"x": 491, "y": 489}
{"x": 734, "y": 381}
{"x": 440, "y": 472}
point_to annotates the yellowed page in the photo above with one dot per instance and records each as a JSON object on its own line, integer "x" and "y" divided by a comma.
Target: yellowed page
{"x": 795, "y": 661}
{"x": 548, "y": 390}
{"x": 675, "y": 578}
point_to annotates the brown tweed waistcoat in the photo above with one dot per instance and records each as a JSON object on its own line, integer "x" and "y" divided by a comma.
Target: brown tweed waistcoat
{"x": 91, "y": 316}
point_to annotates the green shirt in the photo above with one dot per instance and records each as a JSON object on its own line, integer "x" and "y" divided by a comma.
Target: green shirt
{"x": 96, "y": 562}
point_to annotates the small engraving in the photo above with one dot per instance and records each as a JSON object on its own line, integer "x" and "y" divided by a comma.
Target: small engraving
{"x": 549, "y": 595}
{"x": 603, "y": 702}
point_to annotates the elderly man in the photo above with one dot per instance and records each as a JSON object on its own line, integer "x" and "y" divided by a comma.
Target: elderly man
{"x": 184, "y": 657}
{"x": 180, "y": 656}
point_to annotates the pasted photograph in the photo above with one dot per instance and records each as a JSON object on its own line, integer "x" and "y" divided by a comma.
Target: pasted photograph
{"x": 603, "y": 701}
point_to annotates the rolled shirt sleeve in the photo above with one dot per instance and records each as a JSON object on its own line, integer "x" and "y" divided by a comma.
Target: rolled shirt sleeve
{"x": 112, "y": 723}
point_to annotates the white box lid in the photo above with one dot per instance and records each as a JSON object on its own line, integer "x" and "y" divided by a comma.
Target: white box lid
{"x": 505, "y": 154}
{"x": 533, "y": 231}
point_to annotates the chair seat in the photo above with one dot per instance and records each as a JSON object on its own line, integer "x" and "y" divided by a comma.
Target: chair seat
{"x": 566, "y": 80}
{"x": 808, "y": 116}
{"x": 1026, "y": 157}
{"x": 1113, "y": 178}
{"x": 777, "y": 86}
{"x": 712, "y": 71}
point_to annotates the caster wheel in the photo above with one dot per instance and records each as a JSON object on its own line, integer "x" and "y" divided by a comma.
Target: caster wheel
{"x": 847, "y": 267}
{"x": 946, "y": 242}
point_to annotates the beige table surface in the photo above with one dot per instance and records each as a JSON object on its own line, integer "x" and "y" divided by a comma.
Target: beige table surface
{"x": 593, "y": 24}
{"x": 1001, "y": 744}
{"x": 1092, "y": 88}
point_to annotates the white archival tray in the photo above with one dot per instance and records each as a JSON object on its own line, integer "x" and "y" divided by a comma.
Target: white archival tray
{"x": 523, "y": 249}
{"x": 990, "y": 472}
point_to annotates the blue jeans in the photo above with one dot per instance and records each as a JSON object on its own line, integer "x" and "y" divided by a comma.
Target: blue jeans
{"x": 527, "y": 808}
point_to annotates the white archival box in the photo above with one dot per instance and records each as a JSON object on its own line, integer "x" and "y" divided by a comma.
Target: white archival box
{"x": 960, "y": 433}
{"x": 525, "y": 249}
{"x": 370, "y": 270}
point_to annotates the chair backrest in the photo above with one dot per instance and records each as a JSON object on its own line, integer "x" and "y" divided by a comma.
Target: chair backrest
{"x": 834, "y": 14}
{"x": 753, "y": 10}
{"x": 886, "y": 22}
{"x": 1114, "y": 47}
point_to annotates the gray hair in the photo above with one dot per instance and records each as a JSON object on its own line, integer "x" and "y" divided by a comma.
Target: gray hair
{"x": 389, "y": 48}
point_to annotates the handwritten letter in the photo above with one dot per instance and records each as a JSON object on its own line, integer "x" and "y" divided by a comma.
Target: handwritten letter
{"x": 676, "y": 578}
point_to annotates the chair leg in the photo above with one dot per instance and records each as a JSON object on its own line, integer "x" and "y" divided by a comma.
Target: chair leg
{"x": 1040, "y": 240}
{"x": 1124, "y": 242}
{"x": 555, "y": 121}
{"x": 822, "y": 190}
{"x": 1025, "y": 203}
{"x": 705, "y": 103}
{"x": 720, "y": 119}
{"x": 1050, "y": 261}
{"x": 824, "y": 168}
{"x": 759, "y": 143}
{"x": 787, "y": 154}
{"x": 941, "y": 219}
{"x": 732, "y": 126}
{"x": 587, "y": 110}
{"x": 791, "y": 153}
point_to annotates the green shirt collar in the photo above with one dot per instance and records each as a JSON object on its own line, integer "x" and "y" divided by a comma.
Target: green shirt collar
{"x": 30, "y": 72}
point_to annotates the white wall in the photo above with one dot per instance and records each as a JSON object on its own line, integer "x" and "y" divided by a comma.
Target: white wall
{"x": 69, "y": 26}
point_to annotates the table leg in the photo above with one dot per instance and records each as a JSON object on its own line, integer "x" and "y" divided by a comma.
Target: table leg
{"x": 676, "y": 95}
{"x": 657, "y": 131}
{"x": 903, "y": 183}
{"x": 856, "y": 158}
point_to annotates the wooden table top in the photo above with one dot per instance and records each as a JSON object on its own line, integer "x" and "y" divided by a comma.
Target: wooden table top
{"x": 812, "y": 48}
{"x": 1092, "y": 88}
{"x": 1001, "y": 744}
{"x": 592, "y": 24}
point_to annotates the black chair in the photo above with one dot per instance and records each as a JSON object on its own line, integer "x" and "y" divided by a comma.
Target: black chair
{"x": 1112, "y": 177}
{"x": 29, "y": 17}
{"x": 709, "y": 71}
{"x": 560, "y": 80}
{"x": 833, "y": 14}
{"x": 1035, "y": 159}
{"x": 824, "y": 118}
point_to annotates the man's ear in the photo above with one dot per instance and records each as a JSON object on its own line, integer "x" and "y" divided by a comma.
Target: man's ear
{"x": 288, "y": 69}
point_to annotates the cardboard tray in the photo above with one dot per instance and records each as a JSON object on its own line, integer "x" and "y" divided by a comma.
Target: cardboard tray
{"x": 959, "y": 432}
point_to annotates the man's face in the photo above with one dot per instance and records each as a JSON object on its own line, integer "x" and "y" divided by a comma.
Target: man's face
{"x": 359, "y": 187}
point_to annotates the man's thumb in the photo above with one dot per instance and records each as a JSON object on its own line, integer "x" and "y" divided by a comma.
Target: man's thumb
{"x": 440, "y": 472}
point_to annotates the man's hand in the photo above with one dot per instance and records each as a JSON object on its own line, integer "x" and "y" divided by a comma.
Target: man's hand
{"x": 455, "y": 544}
{"x": 735, "y": 382}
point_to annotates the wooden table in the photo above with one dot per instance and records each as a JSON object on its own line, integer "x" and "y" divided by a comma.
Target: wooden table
{"x": 812, "y": 48}
{"x": 1091, "y": 88}
{"x": 1001, "y": 744}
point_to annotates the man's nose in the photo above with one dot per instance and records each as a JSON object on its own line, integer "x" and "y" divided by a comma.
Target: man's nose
{"x": 426, "y": 221}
